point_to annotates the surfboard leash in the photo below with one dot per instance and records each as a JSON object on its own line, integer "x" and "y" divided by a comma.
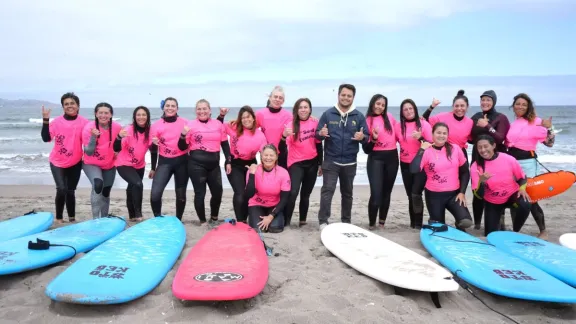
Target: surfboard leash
{"x": 45, "y": 245}
{"x": 466, "y": 287}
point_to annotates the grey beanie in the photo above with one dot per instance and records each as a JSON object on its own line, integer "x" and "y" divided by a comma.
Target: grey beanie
{"x": 491, "y": 94}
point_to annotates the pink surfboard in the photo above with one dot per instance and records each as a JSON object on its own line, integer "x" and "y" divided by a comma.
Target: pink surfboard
{"x": 228, "y": 263}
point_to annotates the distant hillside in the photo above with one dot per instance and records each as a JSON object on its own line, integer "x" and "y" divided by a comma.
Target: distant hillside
{"x": 26, "y": 103}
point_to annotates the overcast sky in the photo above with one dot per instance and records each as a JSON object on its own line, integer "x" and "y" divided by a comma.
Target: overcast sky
{"x": 131, "y": 52}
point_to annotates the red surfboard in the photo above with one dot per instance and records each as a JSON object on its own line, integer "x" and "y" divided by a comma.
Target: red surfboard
{"x": 549, "y": 184}
{"x": 228, "y": 263}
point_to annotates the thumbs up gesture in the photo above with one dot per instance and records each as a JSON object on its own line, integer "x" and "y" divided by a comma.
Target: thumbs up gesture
{"x": 359, "y": 135}
{"x": 375, "y": 131}
{"x": 287, "y": 130}
{"x": 324, "y": 131}
{"x": 123, "y": 133}
{"x": 185, "y": 130}
{"x": 547, "y": 122}
{"x": 482, "y": 122}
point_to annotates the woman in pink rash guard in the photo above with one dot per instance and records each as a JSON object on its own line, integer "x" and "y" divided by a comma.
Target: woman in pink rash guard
{"x": 447, "y": 177}
{"x": 382, "y": 165}
{"x": 203, "y": 137}
{"x": 268, "y": 191}
{"x": 522, "y": 139}
{"x": 304, "y": 158}
{"x": 498, "y": 179}
{"x": 66, "y": 155}
{"x": 131, "y": 144}
{"x": 246, "y": 141}
{"x": 98, "y": 141}
{"x": 166, "y": 133}
{"x": 409, "y": 132}
{"x": 273, "y": 120}
{"x": 460, "y": 125}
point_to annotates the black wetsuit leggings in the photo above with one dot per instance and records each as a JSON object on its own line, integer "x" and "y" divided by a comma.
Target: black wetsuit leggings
{"x": 303, "y": 177}
{"x": 438, "y": 202}
{"x": 66, "y": 180}
{"x": 414, "y": 185}
{"x": 134, "y": 190}
{"x": 204, "y": 169}
{"x": 276, "y": 226}
{"x": 237, "y": 180}
{"x": 519, "y": 208}
{"x": 382, "y": 168}
{"x": 167, "y": 167}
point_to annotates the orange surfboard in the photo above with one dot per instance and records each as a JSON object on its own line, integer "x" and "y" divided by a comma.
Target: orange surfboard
{"x": 549, "y": 184}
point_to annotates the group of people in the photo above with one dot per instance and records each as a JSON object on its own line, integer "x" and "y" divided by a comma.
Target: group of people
{"x": 295, "y": 148}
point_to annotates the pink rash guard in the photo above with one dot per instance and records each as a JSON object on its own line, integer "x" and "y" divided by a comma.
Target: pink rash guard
{"x": 386, "y": 141}
{"x": 133, "y": 150}
{"x": 441, "y": 173}
{"x": 248, "y": 145}
{"x": 273, "y": 123}
{"x": 303, "y": 148}
{"x": 104, "y": 154}
{"x": 168, "y": 135}
{"x": 458, "y": 130}
{"x": 410, "y": 146}
{"x": 504, "y": 171}
{"x": 206, "y": 136}
{"x": 268, "y": 186}
{"x": 67, "y": 137}
{"x": 526, "y": 136}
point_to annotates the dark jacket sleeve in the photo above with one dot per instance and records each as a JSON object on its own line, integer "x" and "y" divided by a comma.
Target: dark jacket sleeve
{"x": 320, "y": 152}
{"x": 323, "y": 121}
{"x": 45, "y": 132}
{"x": 250, "y": 186}
{"x": 182, "y": 145}
{"x": 501, "y": 130}
{"x": 153, "y": 155}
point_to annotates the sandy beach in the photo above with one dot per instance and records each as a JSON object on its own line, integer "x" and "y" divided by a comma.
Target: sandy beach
{"x": 306, "y": 283}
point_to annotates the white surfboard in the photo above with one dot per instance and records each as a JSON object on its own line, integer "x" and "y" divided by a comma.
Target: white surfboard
{"x": 568, "y": 240}
{"x": 386, "y": 261}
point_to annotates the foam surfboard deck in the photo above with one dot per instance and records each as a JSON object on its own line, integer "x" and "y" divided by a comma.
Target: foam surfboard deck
{"x": 490, "y": 269}
{"x": 227, "y": 263}
{"x": 15, "y": 256}
{"x": 29, "y": 223}
{"x": 385, "y": 260}
{"x": 124, "y": 268}
{"x": 568, "y": 240}
{"x": 556, "y": 260}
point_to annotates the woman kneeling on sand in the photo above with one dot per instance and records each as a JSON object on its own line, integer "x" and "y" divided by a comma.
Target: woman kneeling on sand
{"x": 267, "y": 191}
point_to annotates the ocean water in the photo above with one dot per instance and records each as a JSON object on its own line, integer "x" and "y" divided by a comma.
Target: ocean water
{"x": 24, "y": 157}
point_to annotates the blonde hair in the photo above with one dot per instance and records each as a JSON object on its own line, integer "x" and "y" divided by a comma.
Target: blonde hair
{"x": 203, "y": 101}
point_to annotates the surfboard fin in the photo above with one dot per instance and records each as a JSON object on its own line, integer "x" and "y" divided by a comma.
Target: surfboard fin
{"x": 435, "y": 299}
{"x": 33, "y": 211}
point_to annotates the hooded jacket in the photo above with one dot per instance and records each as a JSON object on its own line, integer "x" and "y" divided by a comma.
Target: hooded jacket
{"x": 339, "y": 145}
{"x": 498, "y": 126}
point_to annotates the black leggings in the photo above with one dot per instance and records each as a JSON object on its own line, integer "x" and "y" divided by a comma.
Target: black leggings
{"x": 276, "y": 226}
{"x": 493, "y": 213}
{"x": 66, "y": 180}
{"x": 202, "y": 174}
{"x": 135, "y": 189}
{"x": 237, "y": 179}
{"x": 382, "y": 168}
{"x": 414, "y": 185}
{"x": 166, "y": 168}
{"x": 438, "y": 202}
{"x": 302, "y": 174}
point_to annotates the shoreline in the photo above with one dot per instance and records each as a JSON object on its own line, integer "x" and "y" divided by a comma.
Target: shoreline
{"x": 306, "y": 283}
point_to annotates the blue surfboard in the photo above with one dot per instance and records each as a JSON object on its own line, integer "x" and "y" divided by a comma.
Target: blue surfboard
{"x": 554, "y": 259}
{"x": 486, "y": 267}
{"x": 123, "y": 268}
{"x": 29, "y": 223}
{"x": 16, "y": 256}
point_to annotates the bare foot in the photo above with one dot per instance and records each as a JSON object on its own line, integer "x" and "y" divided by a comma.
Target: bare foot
{"x": 543, "y": 235}
{"x": 138, "y": 219}
{"x": 371, "y": 227}
{"x": 302, "y": 223}
{"x": 60, "y": 221}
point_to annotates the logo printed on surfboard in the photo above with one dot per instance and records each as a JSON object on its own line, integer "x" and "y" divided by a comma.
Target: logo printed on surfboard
{"x": 218, "y": 277}
{"x": 355, "y": 235}
{"x": 530, "y": 243}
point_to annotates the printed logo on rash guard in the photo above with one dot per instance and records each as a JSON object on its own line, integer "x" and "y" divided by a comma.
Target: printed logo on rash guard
{"x": 435, "y": 176}
{"x": 60, "y": 142}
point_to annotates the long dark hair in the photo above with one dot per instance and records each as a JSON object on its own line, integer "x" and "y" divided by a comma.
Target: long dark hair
{"x": 105, "y": 105}
{"x": 479, "y": 159}
{"x": 370, "y": 111}
{"x": 135, "y": 124}
{"x": 295, "y": 118}
{"x": 447, "y": 145}
{"x": 239, "y": 126}
{"x": 403, "y": 119}
{"x": 530, "y": 114}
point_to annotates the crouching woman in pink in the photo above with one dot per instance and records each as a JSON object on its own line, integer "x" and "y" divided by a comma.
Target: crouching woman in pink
{"x": 268, "y": 192}
{"x": 498, "y": 179}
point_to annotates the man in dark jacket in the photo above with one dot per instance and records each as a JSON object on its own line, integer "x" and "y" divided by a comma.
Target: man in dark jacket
{"x": 343, "y": 129}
